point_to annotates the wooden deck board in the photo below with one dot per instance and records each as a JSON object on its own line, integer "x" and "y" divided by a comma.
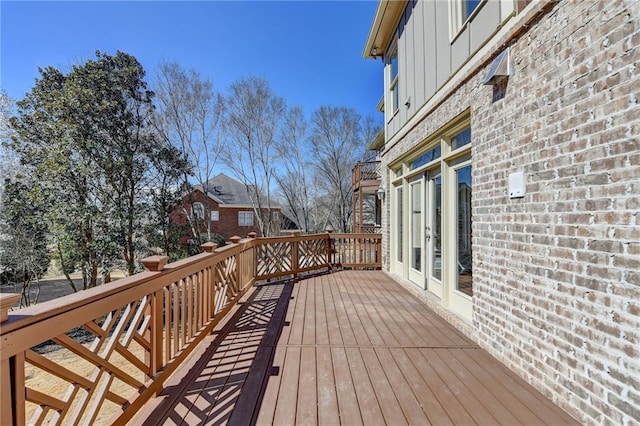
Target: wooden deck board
{"x": 322, "y": 330}
{"x": 285, "y": 413}
{"x": 328, "y": 413}
{"x": 307, "y": 409}
{"x": 345, "y": 389}
{"x": 445, "y": 396}
{"x": 434, "y": 411}
{"x": 346, "y": 327}
{"x": 398, "y": 383}
{"x": 370, "y": 410}
{"x": 385, "y": 395}
{"x": 350, "y": 315}
{"x": 344, "y": 348}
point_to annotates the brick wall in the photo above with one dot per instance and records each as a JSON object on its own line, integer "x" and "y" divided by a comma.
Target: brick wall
{"x": 557, "y": 273}
{"x": 227, "y": 226}
{"x": 558, "y": 288}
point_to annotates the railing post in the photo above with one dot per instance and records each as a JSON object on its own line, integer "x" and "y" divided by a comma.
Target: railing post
{"x": 209, "y": 247}
{"x": 11, "y": 374}
{"x": 7, "y": 300}
{"x": 252, "y": 268}
{"x": 231, "y": 290}
{"x": 13, "y": 390}
{"x": 209, "y": 286}
{"x": 329, "y": 230}
{"x": 295, "y": 255}
{"x": 155, "y": 363}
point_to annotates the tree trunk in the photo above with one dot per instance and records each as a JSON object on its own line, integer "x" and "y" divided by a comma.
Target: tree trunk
{"x": 65, "y": 270}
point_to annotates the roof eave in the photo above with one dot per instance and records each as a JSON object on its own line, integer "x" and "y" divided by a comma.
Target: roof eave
{"x": 384, "y": 23}
{"x": 377, "y": 142}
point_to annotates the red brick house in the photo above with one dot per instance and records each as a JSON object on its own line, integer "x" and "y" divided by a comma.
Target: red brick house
{"x": 227, "y": 205}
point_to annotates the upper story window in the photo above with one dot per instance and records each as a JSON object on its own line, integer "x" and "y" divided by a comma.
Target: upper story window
{"x": 245, "y": 218}
{"x": 468, "y": 6}
{"x": 459, "y": 13}
{"x": 394, "y": 86}
{"x": 197, "y": 211}
{"x": 215, "y": 215}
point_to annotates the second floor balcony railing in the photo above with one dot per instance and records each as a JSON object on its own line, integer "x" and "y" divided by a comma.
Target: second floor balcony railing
{"x": 120, "y": 342}
{"x": 365, "y": 171}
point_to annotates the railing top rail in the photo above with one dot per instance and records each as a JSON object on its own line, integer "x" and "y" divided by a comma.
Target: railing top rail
{"x": 360, "y": 163}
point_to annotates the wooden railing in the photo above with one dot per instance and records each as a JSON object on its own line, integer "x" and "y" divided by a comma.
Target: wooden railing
{"x": 115, "y": 345}
{"x": 365, "y": 170}
{"x": 367, "y": 229}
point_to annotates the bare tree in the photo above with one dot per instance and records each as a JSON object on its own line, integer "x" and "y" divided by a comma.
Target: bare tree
{"x": 338, "y": 140}
{"x": 188, "y": 116}
{"x": 294, "y": 177}
{"x": 253, "y": 115}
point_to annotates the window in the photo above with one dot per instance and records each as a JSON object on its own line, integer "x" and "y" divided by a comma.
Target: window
{"x": 468, "y": 6}
{"x": 197, "y": 211}
{"x": 461, "y": 139}
{"x": 215, "y": 215}
{"x": 427, "y": 157}
{"x": 460, "y": 12}
{"x": 394, "y": 86}
{"x": 245, "y": 218}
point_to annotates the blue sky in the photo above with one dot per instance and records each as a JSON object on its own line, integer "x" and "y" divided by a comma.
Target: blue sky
{"x": 309, "y": 51}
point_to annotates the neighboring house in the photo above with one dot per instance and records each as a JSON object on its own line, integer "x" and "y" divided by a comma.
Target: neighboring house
{"x": 511, "y": 168}
{"x": 230, "y": 209}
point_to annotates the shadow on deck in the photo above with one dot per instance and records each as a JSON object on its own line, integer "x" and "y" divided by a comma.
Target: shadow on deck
{"x": 351, "y": 347}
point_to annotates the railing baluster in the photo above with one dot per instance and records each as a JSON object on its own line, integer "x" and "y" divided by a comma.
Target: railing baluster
{"x": 295, "y": 260}
{"x": 167, "y": 324}
{"x": 176, "y": 318}
{"x": 156, "y": 333}
{"x": 183, "y": 312}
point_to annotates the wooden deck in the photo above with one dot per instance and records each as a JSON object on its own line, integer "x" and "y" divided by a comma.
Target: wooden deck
{"x": 348, "y": 348}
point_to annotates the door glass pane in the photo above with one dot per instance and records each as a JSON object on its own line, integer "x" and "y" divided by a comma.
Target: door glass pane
{"x": 399, "y": 224}
{"x": 464, "y": 185}
{"x": 416, "y": 227}
{"x": 436, "y": 228}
